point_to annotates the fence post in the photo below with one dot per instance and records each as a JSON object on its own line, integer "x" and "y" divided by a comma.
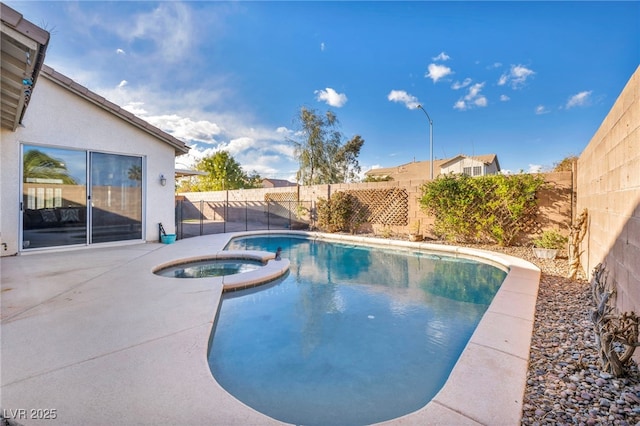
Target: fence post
{"x": 201, "y": 217}
{"x": 226, "y": 213}
{"x": 179, "y": 219}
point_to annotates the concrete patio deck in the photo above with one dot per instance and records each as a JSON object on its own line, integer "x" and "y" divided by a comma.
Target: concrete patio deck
{"x": 94, "y": 335}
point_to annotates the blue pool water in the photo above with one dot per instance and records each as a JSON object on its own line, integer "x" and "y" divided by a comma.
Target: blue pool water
{"x": 352, "y": 336}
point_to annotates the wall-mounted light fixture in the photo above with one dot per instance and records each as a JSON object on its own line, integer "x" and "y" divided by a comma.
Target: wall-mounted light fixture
{"x": 163, "y": 180}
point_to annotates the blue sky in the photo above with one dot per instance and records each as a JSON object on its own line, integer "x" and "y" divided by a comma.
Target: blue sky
{"x": 528, "y": 81}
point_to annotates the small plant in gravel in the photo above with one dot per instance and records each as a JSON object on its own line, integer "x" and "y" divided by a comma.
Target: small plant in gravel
{"x": 550, "y": 239}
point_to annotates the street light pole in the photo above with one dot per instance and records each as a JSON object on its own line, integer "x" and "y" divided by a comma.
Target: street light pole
{"x": 430, "y": 140}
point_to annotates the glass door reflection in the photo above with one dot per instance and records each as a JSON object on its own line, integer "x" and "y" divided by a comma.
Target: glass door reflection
{"x": 54, "y": 194}
{"x": 116, "y": 197}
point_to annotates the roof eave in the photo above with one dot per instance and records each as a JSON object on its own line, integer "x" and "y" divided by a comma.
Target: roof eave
{"x": 24, "y": 46}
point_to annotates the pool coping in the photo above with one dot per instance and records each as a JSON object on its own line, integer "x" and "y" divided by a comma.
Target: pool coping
{"x": 51, "y": 356}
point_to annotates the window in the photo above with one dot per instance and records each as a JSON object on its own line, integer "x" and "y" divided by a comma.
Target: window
{"x": 466, "y": 171}
{"x": 477, "y": 170}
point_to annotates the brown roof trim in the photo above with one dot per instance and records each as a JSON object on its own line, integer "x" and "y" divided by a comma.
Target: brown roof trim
{"x": 15, "y": 19}
{"x": 64, "y": 81}
{"x": 486, "y": 159}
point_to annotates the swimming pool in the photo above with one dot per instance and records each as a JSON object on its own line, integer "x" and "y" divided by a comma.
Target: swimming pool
{"x": 352, "y": 335}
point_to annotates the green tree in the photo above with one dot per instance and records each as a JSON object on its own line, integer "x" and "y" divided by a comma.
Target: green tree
{"x": 347, "y": 159}
{"x": 566, "y": 164}
{"x": 322, "y": 156}
{"x": 223, "y": 173}
{"x": 374, "y": 178}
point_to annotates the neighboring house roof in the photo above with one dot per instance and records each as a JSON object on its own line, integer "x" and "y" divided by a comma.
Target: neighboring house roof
{"x": 413, "y": 170}
{"x": 64, "y": 81}
{"x": 23, "y": 49}
{"x": 486, "y": 159}
{"x": 278, "y": 182}
{"x": 420, "y": 169}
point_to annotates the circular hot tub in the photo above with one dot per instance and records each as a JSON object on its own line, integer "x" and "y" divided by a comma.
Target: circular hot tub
{"x": 238, "y": 269}
{"x": 210, "y": 268}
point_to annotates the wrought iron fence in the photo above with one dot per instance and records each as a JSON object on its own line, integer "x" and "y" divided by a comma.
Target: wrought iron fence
{"x": 195, "y": 218}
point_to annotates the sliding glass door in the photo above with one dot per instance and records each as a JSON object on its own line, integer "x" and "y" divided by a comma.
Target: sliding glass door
{"x": 116, "y": 197}
{"x": 74, "y": 197}
{"x": 54, "y": 197}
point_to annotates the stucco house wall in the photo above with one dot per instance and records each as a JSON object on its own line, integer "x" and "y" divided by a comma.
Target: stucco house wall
{"x": 59, "y": 117}
{"x": 458, "y": 166}
{"x": 608, "y": 186}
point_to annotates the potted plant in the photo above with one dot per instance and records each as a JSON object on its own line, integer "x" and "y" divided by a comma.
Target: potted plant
{"x": 414, "y": 232}
{"x": 546, "y": 246}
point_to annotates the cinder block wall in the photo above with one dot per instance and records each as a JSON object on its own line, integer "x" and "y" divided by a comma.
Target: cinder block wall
{"x": 608, "y": 185}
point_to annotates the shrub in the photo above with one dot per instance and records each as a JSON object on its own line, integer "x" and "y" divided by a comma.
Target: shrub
{"x": 450, "y": 199}
{"x": 496, "y": 207}
{"x": 342, "y": 212}
{"x": 550, "y": 240}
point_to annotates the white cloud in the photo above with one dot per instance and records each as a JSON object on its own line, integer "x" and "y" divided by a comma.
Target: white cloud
{"x": 516, "y": 77}
{"x": 410, "y": 101}
{"x": 120, "y": 52}
{"x": 473, "y": 98}
{"x": 480, "y": 101}
{"x": 185, "y": 128}
{"x": 534, "y": 168}
{"x": 170, "y": 26}
{"x": 135, "y": 108}
{"x": 239, "y": 145}
{"x": 580, "y": 99}
{"x": 541, "y": 109}
{"x": 442, "y": 57}
{"x": 331, "y": 97}
{"x": 284, "y": 131}
{"x": 255, "y": 147}
{"x": 474, "y": 91}
{"x": 122, "y": 83}
{"x": 504, "y": 98}
{"x": 459, "y": 85}
{"x": 436, "y": 72}
{"x": 322, "y": 46}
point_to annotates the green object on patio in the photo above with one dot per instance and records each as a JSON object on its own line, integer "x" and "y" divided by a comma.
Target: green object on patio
{"x": 168, "y": 238}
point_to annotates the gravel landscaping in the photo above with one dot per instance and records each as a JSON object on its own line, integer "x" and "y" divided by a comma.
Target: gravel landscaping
{"x": 565, "y": 385}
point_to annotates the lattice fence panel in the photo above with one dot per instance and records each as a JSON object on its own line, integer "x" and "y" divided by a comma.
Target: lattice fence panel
{"x": 283, "y": 204}
{"x": 384, "y": 206}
